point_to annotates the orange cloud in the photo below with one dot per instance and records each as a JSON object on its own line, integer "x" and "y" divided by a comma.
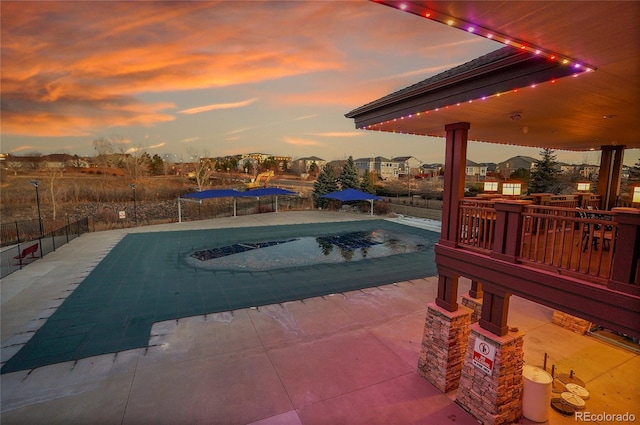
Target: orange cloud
{"x": 75, "y": 68}
{"x": 69, "y": 67}
{"x": 216, "y": 106}
{"x": 301, "y": 142}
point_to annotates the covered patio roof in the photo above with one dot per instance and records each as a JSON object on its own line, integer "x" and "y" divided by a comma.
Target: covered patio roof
{"x": 568, "y": 76}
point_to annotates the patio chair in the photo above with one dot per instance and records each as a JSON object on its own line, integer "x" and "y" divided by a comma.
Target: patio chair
{"x": 598, "y": 232}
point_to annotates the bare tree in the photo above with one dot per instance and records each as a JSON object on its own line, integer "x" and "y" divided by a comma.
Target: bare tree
{"x": 137, "y": 163}
{"x": 104, "y": 148}
{"x": 14, "y": 166}
{"x": 203, "y": 168}
{"x": 33, "y": 160}
{"x": 53, "y": 171}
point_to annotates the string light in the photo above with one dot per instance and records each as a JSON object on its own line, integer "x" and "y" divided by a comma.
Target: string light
{"x": 422, "y": 11}
{"x": 379, "y": 126}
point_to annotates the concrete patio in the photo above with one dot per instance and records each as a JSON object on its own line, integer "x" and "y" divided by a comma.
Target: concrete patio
{"x": 347, "y": 358}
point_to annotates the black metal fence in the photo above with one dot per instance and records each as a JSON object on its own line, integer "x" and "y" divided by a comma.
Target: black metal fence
{"x": 25, "y": 250}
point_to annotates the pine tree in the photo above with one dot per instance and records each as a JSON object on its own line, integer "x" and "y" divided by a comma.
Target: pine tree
{"x": 634, "y": 173}
{"x": 349, "y": 178}
{"x": 326, "y": 183}
{"x": 544, "y": 177}
{"x": 367, "y": 184}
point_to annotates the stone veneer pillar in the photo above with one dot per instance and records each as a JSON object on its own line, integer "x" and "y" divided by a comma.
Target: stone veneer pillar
{"x": 493, "y": 398}
{"x": 443, "y": 346}
{"x": 572, "y": 323}
{"x": 474, "y": 304}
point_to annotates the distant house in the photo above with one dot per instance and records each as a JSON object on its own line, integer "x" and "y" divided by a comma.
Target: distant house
{"x": 506, "y": 168}
{"x": 475, "y": 172}
{"x": 260, "y": 157}
{"x": 337, "y": 165}
{"x": 384, "y": 168}
{"x": 302, "y": 165}
{"x": 590, "y": 171}
{"x": 408, "y": 165}
{"x": 282, "y": 162}
{"x": 430, "y": 171}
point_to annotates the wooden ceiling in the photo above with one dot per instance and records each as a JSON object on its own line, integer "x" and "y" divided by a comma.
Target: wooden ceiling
{"x": 594, "y": 109}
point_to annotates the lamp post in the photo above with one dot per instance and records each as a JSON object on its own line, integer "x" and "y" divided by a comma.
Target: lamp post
{"x": 135, "y": 208}
{"x": 35, "y": 184}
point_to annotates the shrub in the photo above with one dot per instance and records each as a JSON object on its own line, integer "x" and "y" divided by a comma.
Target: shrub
{"x": 381, "y": 208}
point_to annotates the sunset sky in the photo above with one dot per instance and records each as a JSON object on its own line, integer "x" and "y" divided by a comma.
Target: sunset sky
{"x": 222, "y": 77}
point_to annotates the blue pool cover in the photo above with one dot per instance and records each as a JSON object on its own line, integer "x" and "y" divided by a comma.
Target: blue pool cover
{"x": 147, "y": 278}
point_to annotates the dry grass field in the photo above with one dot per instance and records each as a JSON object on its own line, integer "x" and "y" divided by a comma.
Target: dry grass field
{"x": 69, "y": 193}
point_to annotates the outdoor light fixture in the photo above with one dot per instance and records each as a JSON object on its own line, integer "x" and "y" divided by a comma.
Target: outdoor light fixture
{"x": 584, "y": 187}
{"x": 512, "y": 189}
{"x": 636, "y": 195}
{"x": 35, "y": 184}
{"x": 490, "y": 186}
{"x": 135, "y": 208}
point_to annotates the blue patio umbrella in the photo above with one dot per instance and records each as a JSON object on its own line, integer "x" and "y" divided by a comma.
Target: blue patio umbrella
{"x": 353, "y": 195}
{"x": 268, "y": 191}
{"x": 208, "y": 194}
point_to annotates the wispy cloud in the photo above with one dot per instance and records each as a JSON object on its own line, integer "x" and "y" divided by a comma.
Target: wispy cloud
{"x": 238, "y": 131}
{"x": 215, "y": 106}
{"x": 159, "y": 145}
{"x": 23, "y": 148}
{"x": 296, "y": 141}
{"x": 422, "y": 72}
{"x": 306, "y": 117}
{"x": 190, "y": 139}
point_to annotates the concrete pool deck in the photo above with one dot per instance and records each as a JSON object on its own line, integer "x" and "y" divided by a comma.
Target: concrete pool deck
{"x": 344, "y": 359}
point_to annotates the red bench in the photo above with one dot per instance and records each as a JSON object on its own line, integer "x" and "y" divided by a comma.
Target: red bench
{"x": 28, "y": 250}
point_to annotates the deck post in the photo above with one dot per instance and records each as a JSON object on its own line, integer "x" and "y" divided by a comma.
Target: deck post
{"x": 476, "y": 289}
{"x": 625, "y": 269}
{"x": 495, "y": 309}
{"x": 508, "y": 231}
{"x": 473, "y": 300}
{"x": 447, "y": 295}
{"x": 609, "y": 175}
{"x": 454, "y": 178}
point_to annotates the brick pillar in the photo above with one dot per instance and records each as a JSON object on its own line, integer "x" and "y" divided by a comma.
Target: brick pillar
{"x": 443, "y": 346}
{"x": 493, "y": 395}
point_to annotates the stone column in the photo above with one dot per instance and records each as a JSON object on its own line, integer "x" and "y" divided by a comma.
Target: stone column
{"x": 473, "y": 304}
{"x": 572, "y": 323}
{"x": 473, "y": 300}
{"x": 443, "y": 346}
{"x": 491, "y": 389}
